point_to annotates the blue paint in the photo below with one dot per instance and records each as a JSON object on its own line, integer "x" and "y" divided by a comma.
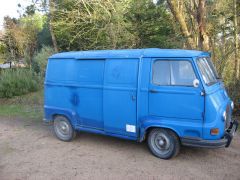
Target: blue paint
{"x": 104, "y": 91}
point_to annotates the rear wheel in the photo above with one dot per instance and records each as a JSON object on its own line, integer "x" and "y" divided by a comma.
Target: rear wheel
{"x": 63, "y": 128}
{"x": 163, "y": 143}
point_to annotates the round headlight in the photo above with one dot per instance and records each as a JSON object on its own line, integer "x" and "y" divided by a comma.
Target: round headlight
{"x": 232, "y": 105}
{"x": 224, "y": 115}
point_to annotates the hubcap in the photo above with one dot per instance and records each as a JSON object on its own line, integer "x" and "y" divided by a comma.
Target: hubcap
{"x": 161, "y": 143}
{"x": 63, "y": 128}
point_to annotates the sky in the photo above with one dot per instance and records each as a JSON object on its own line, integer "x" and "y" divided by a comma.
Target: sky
{"x": 10, "y": 7}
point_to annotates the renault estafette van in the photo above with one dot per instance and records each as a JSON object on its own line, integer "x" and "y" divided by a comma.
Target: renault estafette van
{"x": 169, "y": 97}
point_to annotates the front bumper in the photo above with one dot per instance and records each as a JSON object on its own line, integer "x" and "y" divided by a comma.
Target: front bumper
{"x": 224, "y": 142}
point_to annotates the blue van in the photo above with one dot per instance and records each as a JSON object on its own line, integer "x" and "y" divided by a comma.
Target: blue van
{"x": 169, "y": 97}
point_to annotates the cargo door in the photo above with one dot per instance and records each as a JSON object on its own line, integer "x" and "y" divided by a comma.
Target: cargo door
{"x": 120, "y": 96}
{"x": 89, "y": 93}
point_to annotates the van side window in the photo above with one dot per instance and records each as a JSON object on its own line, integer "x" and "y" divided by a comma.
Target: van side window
{"x": 174, "y": 73}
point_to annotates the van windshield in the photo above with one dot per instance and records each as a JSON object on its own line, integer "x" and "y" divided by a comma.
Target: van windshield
{"x": 209, "y": 74}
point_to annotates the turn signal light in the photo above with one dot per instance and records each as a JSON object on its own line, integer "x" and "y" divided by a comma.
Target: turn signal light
{"x": 214, "y": 131}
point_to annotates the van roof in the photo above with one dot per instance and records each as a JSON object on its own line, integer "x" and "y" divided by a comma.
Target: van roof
{"x": 128, "y": 53}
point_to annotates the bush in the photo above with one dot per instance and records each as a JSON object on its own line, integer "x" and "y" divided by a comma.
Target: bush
{"x": 16, "y": 82}
{"x": 40, "y": 60}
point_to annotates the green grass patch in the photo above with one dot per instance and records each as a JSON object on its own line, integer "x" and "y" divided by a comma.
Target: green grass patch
{"x": 28, "y": 106}
{"x": 23, "y": 111}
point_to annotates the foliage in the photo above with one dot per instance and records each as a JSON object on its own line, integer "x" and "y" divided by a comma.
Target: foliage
{"x": 82, "y": 25}
{"x": 16, "y": 82}
{"x": 21, "y": 36}
{"x": 41, "y": 58}
{"x": 31, "y": 25}
{"x": 152, "y": 25}
{"x": 12, "y": 43}
{"x": 3, "y": 52}
{"x": 44, "y": 36}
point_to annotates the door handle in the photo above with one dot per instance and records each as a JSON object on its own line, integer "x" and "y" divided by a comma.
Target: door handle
{"x": 153, "y": 91}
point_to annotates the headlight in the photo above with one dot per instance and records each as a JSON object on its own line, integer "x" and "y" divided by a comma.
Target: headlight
{"x": 232, "y": 105}
{"x": 224, "y": 115}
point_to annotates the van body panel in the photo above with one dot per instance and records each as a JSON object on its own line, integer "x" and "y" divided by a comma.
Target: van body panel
{"x": 51, "y": 112}
{"x": 217, "y": 102}
{"x": 183, "y": 129}
{"x": 80, "y": 92}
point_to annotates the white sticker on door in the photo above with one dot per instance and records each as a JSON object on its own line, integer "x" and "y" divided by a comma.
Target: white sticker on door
{"x": 130, "y": 128}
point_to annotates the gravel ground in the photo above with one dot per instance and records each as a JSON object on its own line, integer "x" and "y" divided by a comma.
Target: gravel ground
{"x": 29, "y": 150}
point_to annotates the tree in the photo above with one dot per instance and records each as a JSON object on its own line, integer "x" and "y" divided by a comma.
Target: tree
{"x": 201, "y": 20}
{"x": 236, "y": 39}
{"x": 10, "y": 39}
{"x": 30, "y": 26}
{"x": 82, "y": 25}
{"x": 50, "y": 14}
{"x": 179, "y": 17}
{"x": 196, "y": 16}
{"x": 152, "y": 25}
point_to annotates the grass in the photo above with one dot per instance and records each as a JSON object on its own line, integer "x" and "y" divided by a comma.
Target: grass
{"x": 28, "y": 106}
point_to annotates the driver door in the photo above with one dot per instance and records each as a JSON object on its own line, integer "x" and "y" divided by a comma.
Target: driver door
{"x": 171, "y": 90}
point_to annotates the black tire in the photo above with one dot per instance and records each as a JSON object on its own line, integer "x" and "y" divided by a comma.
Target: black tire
{"x": 163, "y": 143}
{"x": 63, "y": 128}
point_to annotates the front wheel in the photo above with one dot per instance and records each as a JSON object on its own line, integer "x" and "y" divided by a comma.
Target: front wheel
{"x": 163, "y": 143}
{"x": 63, "y": 128}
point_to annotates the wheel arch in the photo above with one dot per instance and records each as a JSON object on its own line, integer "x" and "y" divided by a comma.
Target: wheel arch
{"x": 52, "y": 112}
{"x": 67, "y": 116}
{"x": 145, "y": 131}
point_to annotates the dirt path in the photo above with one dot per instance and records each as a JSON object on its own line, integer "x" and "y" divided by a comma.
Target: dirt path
{"x": 29, "y": 150}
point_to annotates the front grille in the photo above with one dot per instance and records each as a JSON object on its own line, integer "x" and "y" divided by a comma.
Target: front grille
{"x": 228, "y": 115}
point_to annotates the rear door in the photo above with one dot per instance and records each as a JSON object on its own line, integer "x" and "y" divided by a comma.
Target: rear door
{"x": 171, "y": 91}
{"x": 119, "y": 96}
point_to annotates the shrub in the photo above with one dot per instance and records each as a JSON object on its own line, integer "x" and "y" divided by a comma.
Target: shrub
{"x": 16, "y": 82}
{"x": 40, "y": 60}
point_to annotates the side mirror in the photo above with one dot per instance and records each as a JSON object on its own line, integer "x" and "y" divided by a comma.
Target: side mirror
{"x": 195, "y": 83}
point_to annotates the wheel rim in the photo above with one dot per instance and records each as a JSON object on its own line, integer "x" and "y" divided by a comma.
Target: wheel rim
{"x": 63, "y": 128}
{"x": 161, "y": 143}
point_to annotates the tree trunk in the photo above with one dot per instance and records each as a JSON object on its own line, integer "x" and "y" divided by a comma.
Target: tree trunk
{"x": 236, "y": 45}
{"x": 54, "y": 41}
{"x": 203, "y": 42}
{"x": 180, "y": 19}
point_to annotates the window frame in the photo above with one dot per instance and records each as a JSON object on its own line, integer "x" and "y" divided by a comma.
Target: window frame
{"x": 169, "y": 60}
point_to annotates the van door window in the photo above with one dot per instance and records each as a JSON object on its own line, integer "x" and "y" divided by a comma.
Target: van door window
{"x": 161, "y": 73}
{"x": 174, "y": 73}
